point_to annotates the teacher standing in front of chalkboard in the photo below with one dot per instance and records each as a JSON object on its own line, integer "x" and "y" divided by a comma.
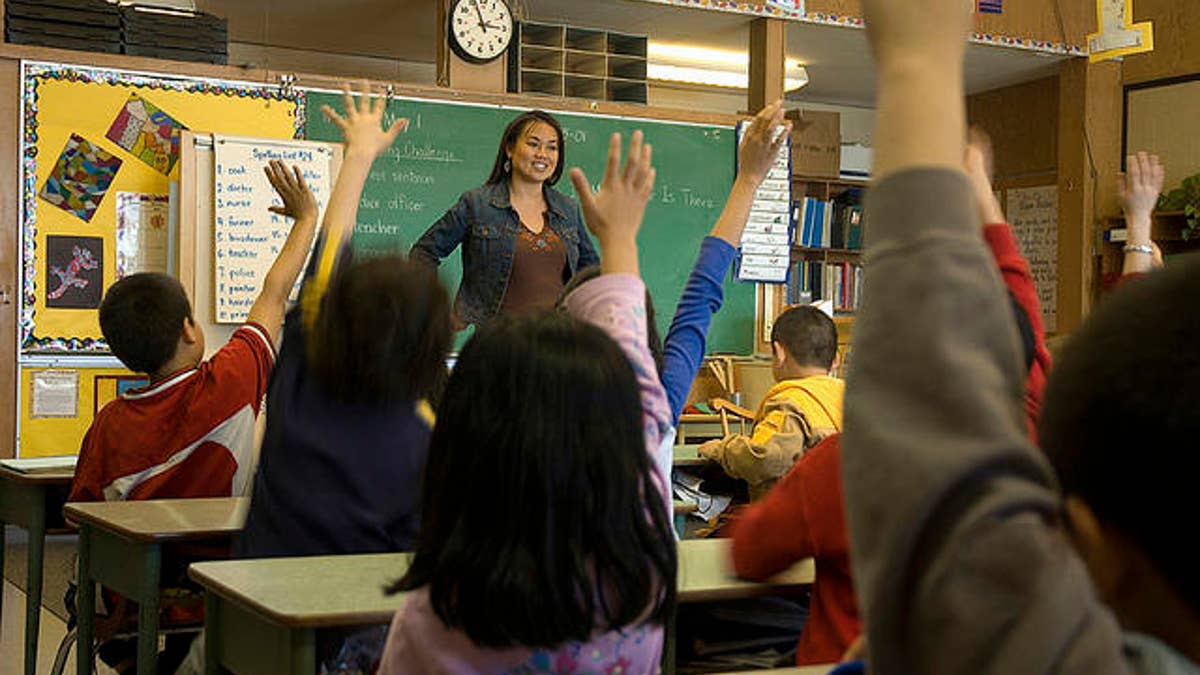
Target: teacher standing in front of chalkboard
{"x": 521, "y": 238}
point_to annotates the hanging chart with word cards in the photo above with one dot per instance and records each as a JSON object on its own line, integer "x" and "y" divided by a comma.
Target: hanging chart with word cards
{"x": 767, "y": 240}
{"x": 247, "y": 236}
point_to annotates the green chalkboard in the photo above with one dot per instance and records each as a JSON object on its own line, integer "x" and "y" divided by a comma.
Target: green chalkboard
{"x": 449, "y": 149}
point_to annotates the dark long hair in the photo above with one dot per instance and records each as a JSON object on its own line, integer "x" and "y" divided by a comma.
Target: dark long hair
{"x": 383, "y": 332}
{"x": 513, "y": 133}
{"x": 541, "y": 521}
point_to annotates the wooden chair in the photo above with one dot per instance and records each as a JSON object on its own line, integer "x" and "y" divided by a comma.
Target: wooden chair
{"x": 726, "y": 408}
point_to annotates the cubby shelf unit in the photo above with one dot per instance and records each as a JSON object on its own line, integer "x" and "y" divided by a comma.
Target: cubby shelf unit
{"x": 557, "y": 60}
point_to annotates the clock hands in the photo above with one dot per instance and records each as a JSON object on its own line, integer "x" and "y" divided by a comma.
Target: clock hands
{"x": 482, "y": 22}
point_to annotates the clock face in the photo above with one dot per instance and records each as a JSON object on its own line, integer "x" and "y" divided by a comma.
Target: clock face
{"x": 480, "y": 30}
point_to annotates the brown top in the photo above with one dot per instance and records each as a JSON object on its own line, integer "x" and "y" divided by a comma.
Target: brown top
{"x": 326, "y": 591}
{"x": 538, "y": 266}
{"x": 161, "y": 520}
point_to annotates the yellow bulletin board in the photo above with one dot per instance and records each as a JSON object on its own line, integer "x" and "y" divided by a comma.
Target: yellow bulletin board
{"x": 51, "y": 430}
{"x": 90, "y": 135}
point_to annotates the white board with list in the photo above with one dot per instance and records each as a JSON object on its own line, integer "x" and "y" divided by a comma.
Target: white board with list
{"x": 247, "y": 237}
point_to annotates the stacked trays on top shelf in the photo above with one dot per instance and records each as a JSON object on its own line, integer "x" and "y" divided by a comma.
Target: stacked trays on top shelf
{"x": 179, "y": 36}
{"x": 577, "y": 62}
{"x": 88, "y": 25}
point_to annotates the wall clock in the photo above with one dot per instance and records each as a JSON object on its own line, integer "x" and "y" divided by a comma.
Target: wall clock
{"x": 480, "y": 30}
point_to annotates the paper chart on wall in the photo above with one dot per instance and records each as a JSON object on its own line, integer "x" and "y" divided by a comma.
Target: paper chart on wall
{"x": 247, "y": 236}
{"x": 1034, "y": 216}
{"x": 141, "y": 233}
{"x": 767, "y": 241}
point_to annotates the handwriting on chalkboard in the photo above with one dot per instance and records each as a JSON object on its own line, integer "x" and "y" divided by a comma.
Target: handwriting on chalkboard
{"x": 247, "y": 237}
{"x": 1034, "y": 216}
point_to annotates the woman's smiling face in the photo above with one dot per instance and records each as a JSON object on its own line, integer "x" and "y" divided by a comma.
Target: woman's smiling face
{"x": 534, "y": 156}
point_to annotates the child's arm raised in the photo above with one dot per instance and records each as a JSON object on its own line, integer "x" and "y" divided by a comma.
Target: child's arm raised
{"x": 704, "y": 294}
{"x": 960, "y": 562}
{"x": 299, "y": 204}
{"x": 365, "y": 139}
{"x": 616, "y": 300}
{"x": 1139, "y": 188}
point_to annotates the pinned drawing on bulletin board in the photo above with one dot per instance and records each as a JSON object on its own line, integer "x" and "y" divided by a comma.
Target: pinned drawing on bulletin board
{"x": 147, "y": 133}
{"x": 107, "y": 388}
{"x": 90, "y": 135}
{"x": 74, "y": 272}
{"x": 1117, "y": 35}
{"x": 247, "y": 236}
{"x": 142, "y": 237}
{"x": 80, "y": 178}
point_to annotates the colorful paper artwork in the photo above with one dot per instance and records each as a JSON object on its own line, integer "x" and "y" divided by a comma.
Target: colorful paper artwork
{"x": 80, "y": 178}
{"x": 147, "y": 133}
{"x": 74, "y": 272}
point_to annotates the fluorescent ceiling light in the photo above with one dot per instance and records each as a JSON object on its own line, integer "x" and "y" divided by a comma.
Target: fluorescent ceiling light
{"x": 711, "y": 67}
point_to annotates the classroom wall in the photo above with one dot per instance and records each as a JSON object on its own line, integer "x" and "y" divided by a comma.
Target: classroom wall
{"x": 1176, "y": 51}
{"x": 1023, "y": 123}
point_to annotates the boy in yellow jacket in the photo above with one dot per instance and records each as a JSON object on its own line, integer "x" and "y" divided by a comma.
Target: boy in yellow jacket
{"x": 803, "y": 407}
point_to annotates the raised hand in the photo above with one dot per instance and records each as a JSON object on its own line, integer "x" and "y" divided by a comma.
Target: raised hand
{"x": 614, "y": 213}
{"x": 922, "y": 33}
{"x": 978, "y": 165}
{"x": 1139, "y": 188}
{"x": 761, "y": 143}
{"x": 362, "y": 124}
{"x": 298, "y": 200}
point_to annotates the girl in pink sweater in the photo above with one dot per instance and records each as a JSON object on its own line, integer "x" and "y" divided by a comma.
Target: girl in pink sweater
{"x": 546, "y": 542}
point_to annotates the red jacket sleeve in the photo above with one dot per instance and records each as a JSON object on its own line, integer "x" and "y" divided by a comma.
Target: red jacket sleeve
{"x": 801, "y": 517}
{"x": 1015, "y": 272}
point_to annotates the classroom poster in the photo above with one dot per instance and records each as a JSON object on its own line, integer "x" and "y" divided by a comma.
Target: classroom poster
{"x": 74, "y": 270}
{"x": 142, "y": 238}
{"x": 81, "y": 391}
{"x": 1033, "y": 213}
{"x": 91, "y": 134}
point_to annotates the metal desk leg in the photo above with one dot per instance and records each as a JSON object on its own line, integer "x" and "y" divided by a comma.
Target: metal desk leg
{"x": 212, "y": 634}
{"x": 33, "y": 579}
{"x": 85, "y": 603}
{"x": 147, "y": 662}
{"x": 3, "y": 548}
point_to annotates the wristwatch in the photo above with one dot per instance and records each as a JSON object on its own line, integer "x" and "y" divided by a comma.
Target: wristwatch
{"x": 1139, "y": 248}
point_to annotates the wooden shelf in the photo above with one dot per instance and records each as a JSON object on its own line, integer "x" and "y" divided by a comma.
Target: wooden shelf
{"x": 853, "y": 182}
{"x": 588, "y": 63}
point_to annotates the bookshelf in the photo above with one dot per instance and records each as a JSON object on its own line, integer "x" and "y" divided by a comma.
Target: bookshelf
{"x": 557, "y": 60}
{"x": 1166, "y": 230}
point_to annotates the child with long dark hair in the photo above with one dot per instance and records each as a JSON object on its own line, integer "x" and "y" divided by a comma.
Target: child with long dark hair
{"x": 546, "y": 544}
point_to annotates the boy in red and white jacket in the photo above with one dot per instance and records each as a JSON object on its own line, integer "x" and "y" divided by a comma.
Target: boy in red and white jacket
{"x": 190, "y": 432}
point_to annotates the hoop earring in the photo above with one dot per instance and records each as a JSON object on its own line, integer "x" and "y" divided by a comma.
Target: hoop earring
{"x": 507, "y": 165}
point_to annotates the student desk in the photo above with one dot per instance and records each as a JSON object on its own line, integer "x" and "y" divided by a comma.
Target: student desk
{"x": 120, "y": 546}
{"x": 262, "y": 616}
{"x": 687, "y": 455}
{"x": 27, "y": 500}
{"x": 698, "y": 425}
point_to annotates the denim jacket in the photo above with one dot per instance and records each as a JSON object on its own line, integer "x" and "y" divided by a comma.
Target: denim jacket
{"x": 486, "y": 225}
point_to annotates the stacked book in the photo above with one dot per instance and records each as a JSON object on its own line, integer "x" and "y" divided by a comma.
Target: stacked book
{"x": 829, "y": 224}
{"x": 812, "y": 281}
{"x": 89, "y": 25}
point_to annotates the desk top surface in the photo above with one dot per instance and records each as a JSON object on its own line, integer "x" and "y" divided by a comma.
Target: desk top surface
{"x": 164, "y": 520}
{"x": 687, "y": 455}
{"x": 47, "y": 477}
{"x": 699, "y": 418}
{"x": 327, "y": 591}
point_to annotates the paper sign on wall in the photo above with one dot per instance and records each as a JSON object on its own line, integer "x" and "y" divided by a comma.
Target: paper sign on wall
{"x": 141, "y": 233}
{"x": 55, "y": 393}
{"x": 767, "y": 240}
{"x": 247, "y": 236}
{"x": 1117, "y": 35}
{"x": 1033, "y": 213}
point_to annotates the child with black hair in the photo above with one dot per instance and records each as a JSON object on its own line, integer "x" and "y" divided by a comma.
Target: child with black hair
{"x": 546, "y": 541}
{"x": 961, "y": 536}
{"x": 803, "y": 407}
{"x": 347, "y": 422}
{"x": 190, "y": 432}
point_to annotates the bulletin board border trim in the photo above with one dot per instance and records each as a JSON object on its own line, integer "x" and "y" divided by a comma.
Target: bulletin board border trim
{"x": 828, "y": 19}
{"x": 34, "y": 73}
